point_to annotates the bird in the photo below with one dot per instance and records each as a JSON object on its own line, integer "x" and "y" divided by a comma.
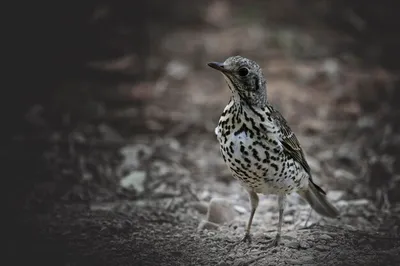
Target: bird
{"x": 259, "y": 147}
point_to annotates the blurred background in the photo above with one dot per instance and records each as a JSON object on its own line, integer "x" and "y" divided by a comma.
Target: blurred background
{"x": 114, "y": 108}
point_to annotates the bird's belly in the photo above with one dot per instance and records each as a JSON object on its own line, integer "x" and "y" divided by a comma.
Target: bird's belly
{"x": 263, "y": 170}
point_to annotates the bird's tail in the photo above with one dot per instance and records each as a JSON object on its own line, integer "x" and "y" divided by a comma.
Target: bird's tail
{"x": 316, "y": 197}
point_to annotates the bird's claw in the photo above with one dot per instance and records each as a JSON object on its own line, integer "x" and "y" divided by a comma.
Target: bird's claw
{"x": 246, "y": 238}
{"x": 274, "y": 242}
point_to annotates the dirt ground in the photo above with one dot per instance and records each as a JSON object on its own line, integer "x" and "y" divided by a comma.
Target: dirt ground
{"x": 130, "y": 173}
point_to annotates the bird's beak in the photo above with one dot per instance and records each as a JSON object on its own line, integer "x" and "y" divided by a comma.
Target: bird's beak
{"x": 218, "y": 66}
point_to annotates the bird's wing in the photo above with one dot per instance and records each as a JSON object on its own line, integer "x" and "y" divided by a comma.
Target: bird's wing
{"x": 291, "y": 144}
{"x": 289, "y": 141}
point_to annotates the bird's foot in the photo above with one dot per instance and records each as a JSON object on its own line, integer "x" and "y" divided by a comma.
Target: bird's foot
{"x": 245, "y": 239}
{"x": 273, "y": 242}
{"x": 276, "y": 241}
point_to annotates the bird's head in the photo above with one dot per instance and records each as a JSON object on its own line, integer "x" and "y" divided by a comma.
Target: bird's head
{"x": 245, "y": 79}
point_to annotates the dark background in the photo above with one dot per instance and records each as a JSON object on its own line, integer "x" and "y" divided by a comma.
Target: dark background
{"x": 85, "y": 81}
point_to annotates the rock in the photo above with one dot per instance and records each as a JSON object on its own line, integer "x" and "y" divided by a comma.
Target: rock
{"x": 331, "y": 68}
{"x": 322, "y": 248}
{"x": 306, "y": 259}
{"x": 292, "y": 261}
{"x": 133, "y": 154}
{"x": 325, "y": 237}
{"x": 358, "y": 202}
{"x": 220, "y": 211}
{"x": 293, "y": 244}
{"x": 134, "y": 180}
{"x": 288, "y": 219}
{"x": 304, "y": 245}
{"x": 240, "y": 209}
{"x": 335, "y": 195}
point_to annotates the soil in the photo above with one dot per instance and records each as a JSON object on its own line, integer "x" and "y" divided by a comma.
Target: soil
{"x": 128, "y": 172}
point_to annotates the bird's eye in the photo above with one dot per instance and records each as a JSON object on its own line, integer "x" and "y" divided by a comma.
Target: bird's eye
{"x": 243, "y": 72}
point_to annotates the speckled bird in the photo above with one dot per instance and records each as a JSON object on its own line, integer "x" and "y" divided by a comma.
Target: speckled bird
{"x": 258, "y": 146}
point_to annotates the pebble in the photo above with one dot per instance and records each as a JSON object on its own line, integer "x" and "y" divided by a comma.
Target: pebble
{"x": 306, "y": 259}
{"x": 322, "y": 248}
{"x": 335, "y": 195}
{"x": 325, "y": 237}
{"x": 288, "y": 219}
{"x": 220, "y": 211}
{"x": 293, "y": 244}
{"x": 134, "y": 180}
{"x": 358, "y": 202}
{"x": 292, "y": 261}
{"x": 240, "y": 209}
{"x": 305, "y": 245}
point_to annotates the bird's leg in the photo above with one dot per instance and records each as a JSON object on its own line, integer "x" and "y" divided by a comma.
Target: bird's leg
{"x": 281, "y": 204}
{"x": 254, "y": 203}
{"x": 308, "y": 218}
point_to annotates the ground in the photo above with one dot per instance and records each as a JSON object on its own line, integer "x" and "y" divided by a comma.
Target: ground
{"x": 132, "y": 171}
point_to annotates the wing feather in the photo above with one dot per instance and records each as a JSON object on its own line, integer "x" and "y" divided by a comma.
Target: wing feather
{"x": 291, "y": 144}
{"x": 289, "y": 140}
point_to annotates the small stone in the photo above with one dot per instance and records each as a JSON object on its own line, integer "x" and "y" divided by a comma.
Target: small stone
{"x": 342, "y": 203}
{"x": 288, "y": 219}
{"x": 306, "y": 259}
{"x": 240, "y": 209}
{"x": 331, "y": 67}
{"x": 292, "y": 261}
{"x": 335, "y": 195}
{"x": 358, "y": 202}
{"x": 304, "y": 245}
{"x": 325, "y": 237}
{"x": 133, "y": 154}
{"x": 322, "y": 248}
{"x": 293, "y": 244}
{"x": 211, "y": 233}
{"x": 134, "y": 180}
{"x": 220, "y": 211}
{"x": 204, "y": 195}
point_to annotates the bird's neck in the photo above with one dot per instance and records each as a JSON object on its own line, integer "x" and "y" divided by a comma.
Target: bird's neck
{"x": 256, "y": 100}
{"x": 240, "y": 107}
